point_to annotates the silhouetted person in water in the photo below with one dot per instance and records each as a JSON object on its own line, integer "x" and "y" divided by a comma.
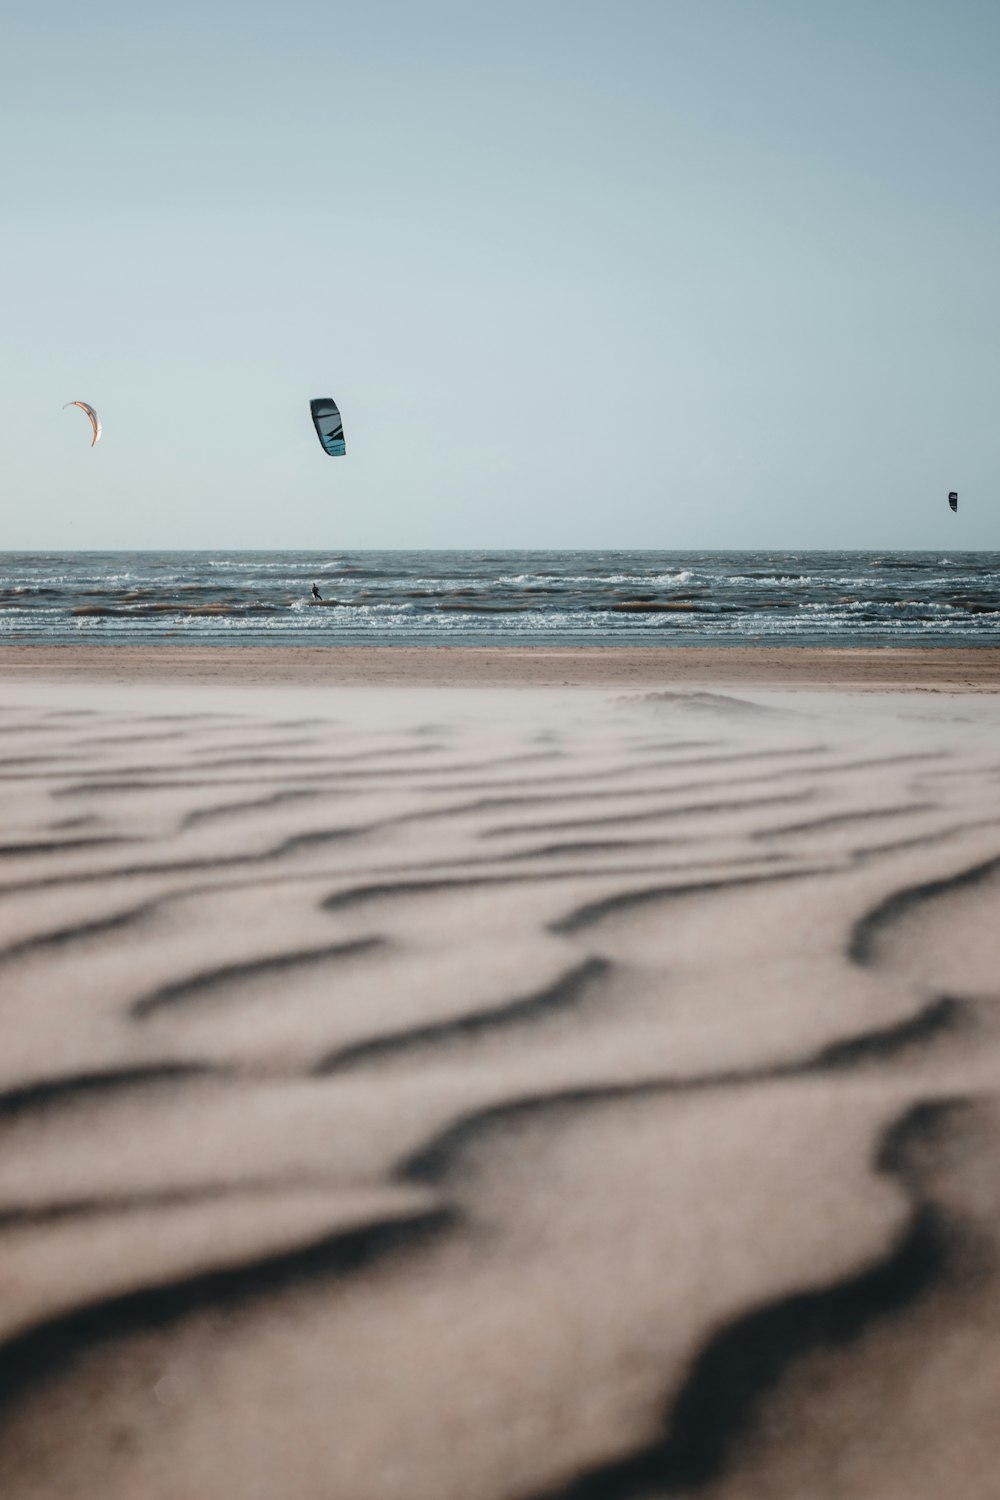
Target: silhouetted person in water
{"x": 316, "y": 593}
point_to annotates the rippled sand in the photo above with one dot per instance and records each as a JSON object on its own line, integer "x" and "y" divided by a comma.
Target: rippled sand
{"x": 412, "y": 1093}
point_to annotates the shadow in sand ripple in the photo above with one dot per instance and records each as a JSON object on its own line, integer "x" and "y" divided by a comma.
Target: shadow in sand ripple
{"x": 33, "y": 1355}
{"x": 567, "y": 993}
{"x": 594, "y": 911}
{"x": 51, "y": 1093}
{"x": 742, "y": 1362}
{"x": 251, "y": 805}
{"x": 866, "y": 932}
{"x": 228, "y": 976}
{"x": 937, "y": 1019}
{"x": 79, "y": 931}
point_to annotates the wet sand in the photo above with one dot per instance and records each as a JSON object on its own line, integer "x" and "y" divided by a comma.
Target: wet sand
{"x": 888, "y": 668}
{"x": 423, "y": 1091}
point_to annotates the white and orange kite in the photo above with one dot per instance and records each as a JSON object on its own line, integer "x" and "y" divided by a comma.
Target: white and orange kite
{"x": 95, "y": 420}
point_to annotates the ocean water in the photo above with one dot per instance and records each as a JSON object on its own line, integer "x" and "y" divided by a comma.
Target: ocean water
{"x": 502, "y": 598}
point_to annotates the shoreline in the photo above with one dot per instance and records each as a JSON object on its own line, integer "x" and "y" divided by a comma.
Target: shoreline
{"x": 883, "y": 669}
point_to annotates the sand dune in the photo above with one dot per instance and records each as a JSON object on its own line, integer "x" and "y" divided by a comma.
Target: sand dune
{"x": 437, "y": 1094}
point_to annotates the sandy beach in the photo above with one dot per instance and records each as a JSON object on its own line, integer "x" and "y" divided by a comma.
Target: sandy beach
{"x": 953, "y": 668}
{"x": 499, "y": 1074}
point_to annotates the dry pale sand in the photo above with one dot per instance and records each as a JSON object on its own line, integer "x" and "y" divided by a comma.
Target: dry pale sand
{"x": 417, "y": 1092}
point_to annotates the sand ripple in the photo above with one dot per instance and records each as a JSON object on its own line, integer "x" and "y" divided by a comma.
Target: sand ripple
{"x": 598, "y": 1101}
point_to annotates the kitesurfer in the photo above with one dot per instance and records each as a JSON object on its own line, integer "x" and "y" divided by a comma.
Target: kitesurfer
{"x": 316, "y": 593}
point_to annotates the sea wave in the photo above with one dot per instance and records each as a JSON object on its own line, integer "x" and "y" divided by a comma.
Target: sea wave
{"x": 492, "y": 598}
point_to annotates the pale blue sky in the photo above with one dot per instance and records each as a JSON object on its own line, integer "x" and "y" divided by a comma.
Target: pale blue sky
{"x": 668, "y": 273}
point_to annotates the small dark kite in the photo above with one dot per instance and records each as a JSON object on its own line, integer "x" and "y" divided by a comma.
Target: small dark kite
{"x": 329, "y": 427}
